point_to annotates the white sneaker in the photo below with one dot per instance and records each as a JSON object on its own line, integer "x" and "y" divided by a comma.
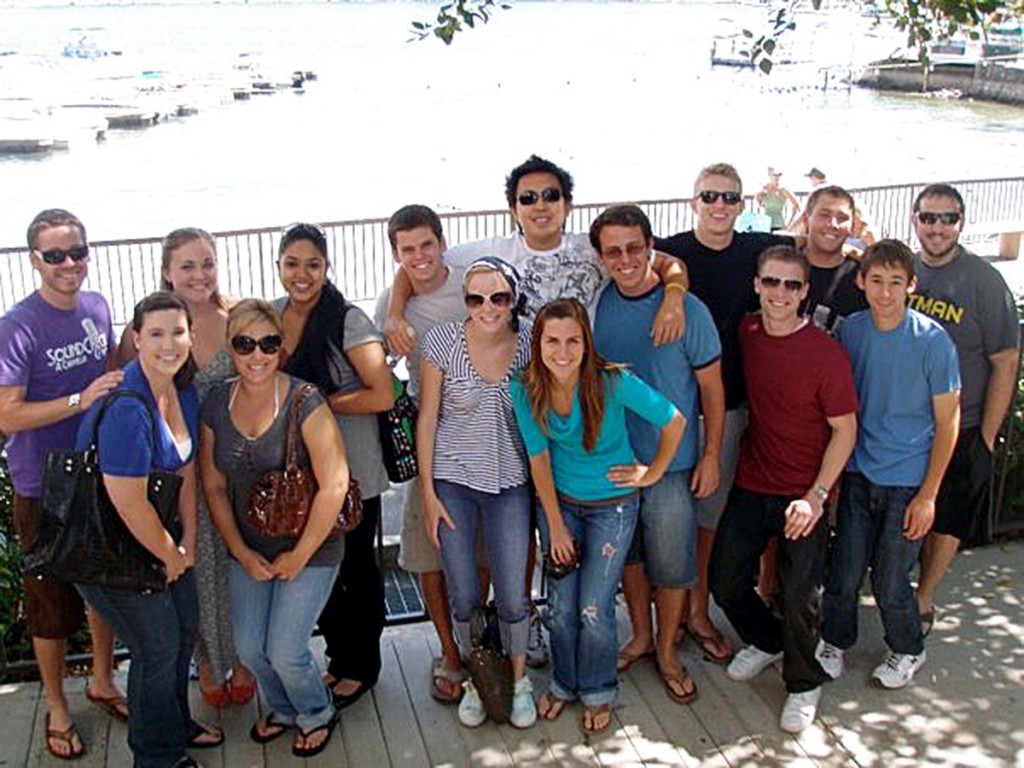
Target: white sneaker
{"x": 749, "y": 662}
{"x": 536, "y": 650}
{"x": 524, "y": 708}
{"x": 897, "y": 669}
{"x": 830, "y": 657}
{"x": 800, "y": 710}
{"x": 471, "y": 708}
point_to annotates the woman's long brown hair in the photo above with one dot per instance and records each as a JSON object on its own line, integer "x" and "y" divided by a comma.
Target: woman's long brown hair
{"x": 540, "y": 383}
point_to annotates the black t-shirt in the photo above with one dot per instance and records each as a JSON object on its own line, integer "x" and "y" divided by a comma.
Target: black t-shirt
{"x": 724, "y": 280}
{"x": 834, "y": 295}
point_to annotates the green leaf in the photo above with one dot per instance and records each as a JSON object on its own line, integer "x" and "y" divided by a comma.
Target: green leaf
{"x": 765, "y": 65}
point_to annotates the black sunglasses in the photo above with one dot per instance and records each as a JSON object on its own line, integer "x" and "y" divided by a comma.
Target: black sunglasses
{"x": 501, "y": 299}
{"x": 950, "y": 218}
{"x": 246, "y": 345}
{"x": 56, "y": 256}
{"x": 774, "y": 282}
{"x": 710, "y": 197}
{"x": 531, "y": 196}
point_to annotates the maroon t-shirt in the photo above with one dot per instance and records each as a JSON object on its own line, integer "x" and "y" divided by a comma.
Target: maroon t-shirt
{"x": 795, "y": 383}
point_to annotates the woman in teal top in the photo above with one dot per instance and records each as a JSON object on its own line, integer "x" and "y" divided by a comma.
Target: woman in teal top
{"x": 571, "y": 409}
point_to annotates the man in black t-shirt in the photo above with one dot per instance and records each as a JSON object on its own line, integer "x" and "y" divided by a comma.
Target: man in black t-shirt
{"x": 834, "y": 294}
{"x": 722, "y": 264}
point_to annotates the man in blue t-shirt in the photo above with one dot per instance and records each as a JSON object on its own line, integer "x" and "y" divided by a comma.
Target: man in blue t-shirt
{"x": 688, "y": 372}
{"x": 908, "y": 383}
{"x": 56, "y": 356}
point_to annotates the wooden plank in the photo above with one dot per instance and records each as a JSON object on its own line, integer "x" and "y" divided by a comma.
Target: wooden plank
{"x": 207, "y": 715}
{"x": 397, "y": 716}
{"x": 18, "y": 703}
{"x": 239, "y": 750}
{"x": 91, "y": 722}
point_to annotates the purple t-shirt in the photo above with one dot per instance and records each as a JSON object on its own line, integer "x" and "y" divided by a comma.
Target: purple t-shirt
{"x": 52, "y": 353}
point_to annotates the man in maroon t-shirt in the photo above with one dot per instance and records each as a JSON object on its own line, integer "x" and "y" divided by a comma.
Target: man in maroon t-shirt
{"x": 801, "y": 430}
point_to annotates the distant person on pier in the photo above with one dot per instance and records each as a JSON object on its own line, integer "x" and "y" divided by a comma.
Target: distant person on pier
{"x": 56, "y": 360}
{"x": 189, "y": 269}
{"x": 970, "y": 298}
{"x": 774, "y": 199}
{"x": 721, "y": 264}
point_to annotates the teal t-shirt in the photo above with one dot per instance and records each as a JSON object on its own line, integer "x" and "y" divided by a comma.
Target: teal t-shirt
{"x": 578, "y": 474}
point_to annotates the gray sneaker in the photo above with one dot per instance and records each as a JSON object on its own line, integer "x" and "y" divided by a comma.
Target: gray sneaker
{"x": 536, "y": 648}
{"x": 800, "y": 710}
{"x": 830, "y": 657}
{"x": 897, "y": 669}
{"x": 749, "y": 662}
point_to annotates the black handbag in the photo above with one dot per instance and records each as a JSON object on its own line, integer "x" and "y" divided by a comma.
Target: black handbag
{"x": 82, "y": 538}
{"x": 397, "y": 428}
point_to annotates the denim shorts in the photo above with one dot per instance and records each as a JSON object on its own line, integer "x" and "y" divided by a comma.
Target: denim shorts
{"x": 665, "y": 540}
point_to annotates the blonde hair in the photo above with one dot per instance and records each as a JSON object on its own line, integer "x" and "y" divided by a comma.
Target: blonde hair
{"x": 719, "y": 169}
{"x": 250, "y": 311}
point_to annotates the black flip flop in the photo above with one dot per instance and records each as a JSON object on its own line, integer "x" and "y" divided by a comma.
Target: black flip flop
{"x": 199, "y": 730}
{"x": 347, "y": 700}
{"x": 314, "y": 751}
{"x": 270, "y": 723}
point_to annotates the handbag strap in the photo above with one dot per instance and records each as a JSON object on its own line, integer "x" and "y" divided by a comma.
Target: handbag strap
{"x": 291, "y": 440}
{"x": 107, "y": 402}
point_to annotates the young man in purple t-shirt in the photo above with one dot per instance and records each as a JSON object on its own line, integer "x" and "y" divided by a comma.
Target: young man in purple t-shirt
{"x": 56, "y": 350}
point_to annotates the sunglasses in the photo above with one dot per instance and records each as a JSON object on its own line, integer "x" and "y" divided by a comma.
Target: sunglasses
{"x": 950, "y": 218}
{"x": 501, "y": 299}
{"x": 774, "y": 282}
{"x": 246, "y": 345}
{"x": 56, "y": 256}
{"x": 710, "y": 197}
{"x": 531, "y": 196}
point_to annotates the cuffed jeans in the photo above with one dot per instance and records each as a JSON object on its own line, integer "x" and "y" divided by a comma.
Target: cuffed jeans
{"x": 584, "y": 636}
{"x": 160, "y": 631}
{"x": 272, "y": 622}
{"x": 870, "y": 532}
{"x": 749, "y": 521}
{"x": 505, "y": 519}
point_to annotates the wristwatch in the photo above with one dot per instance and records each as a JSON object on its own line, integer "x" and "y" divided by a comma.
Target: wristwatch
{"x": 75, "y": 401}
{"x": 822, "y": 493}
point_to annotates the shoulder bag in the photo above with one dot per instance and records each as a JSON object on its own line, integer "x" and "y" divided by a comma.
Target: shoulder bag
{"x": 397, "y": 427}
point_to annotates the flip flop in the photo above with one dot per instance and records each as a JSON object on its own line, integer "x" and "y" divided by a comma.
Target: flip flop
{"x": 68, "y": 737}
{"x": 342, "y": 700}
{"x": 112, "y": 705}
{"x": 679, "y": 678}
{"x": 550, "y": 707}
{"x": 314, "y": 751}
{"x": 200, "y": 731}
{"x": 711, "y": 644}
{"x": 272, "y": 730}
{"x": 593, "y": 714}
{"x": 439, "y": 672}
{"x": 625, "y": 659}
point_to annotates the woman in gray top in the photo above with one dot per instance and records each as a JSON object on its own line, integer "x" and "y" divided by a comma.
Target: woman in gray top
{"x": 278, "y": 585}
{"x": 334, "y": 345}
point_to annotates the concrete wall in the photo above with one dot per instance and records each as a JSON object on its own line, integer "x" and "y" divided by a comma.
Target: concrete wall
{"x": 988, "y": 81}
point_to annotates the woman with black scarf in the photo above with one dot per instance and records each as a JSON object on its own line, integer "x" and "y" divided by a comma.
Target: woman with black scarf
{"x": 334, "y": 345}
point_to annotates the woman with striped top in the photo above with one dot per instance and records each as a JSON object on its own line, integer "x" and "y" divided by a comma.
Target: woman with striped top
{"x": 473, "y": 470}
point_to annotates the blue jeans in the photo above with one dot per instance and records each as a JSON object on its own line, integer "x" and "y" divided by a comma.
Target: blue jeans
{"x": 505, "y": 518}
{"x": 870, "y": 532}
{"x": 272, "y": 622}
{"x": 584, "y": 637}
{"x": 160, "y": 631}
{"x": 666, "y": 532}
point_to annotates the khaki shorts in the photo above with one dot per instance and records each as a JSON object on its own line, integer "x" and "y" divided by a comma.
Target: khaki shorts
{"x": 709, "y": 510}
{"x": 417, "y": 553}
{"x": 54, "y": 610}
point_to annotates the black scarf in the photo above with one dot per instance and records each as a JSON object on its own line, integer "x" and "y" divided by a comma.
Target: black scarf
{"x": 325, "y": 328}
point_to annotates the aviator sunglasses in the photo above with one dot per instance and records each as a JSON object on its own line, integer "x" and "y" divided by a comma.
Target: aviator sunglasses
{"x": 710, "y": 197}
{"x": 246, "y": 345}
{"x": 501, "y": 299}
{"x": 531, "y": 196}
{"x": 55, "y": 256}
{"x": 791, "y": 284}
{"x": 949, "y": 219}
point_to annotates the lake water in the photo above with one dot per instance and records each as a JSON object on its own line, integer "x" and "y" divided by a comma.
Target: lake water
{"x": 622, "y": 94}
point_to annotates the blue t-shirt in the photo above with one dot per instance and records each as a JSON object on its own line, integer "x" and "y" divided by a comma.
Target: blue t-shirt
{"x": 668, "y": 368}
{"x": 897, "y": 373}
{"x": 578, "y": 474}
{"x": 128, "y": 444}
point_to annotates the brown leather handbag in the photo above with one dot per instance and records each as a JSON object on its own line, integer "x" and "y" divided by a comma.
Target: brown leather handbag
{"x": 281, "y": 500}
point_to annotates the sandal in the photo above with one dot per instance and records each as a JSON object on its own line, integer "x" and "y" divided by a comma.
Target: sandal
{"x": 716, "y": 648}
{"x": 596, "y": 719}
{"x": 624, "y": 660}
{"x": 550, "y": 707}
{"x": 68, "y": 737}
{"x": 205, "y": 736}
{"x": 680, "y": 679}
{"x": 445, "y": 684}
{"x": 272, "y": 729}
{"x": 342, "y": 700}
{"x": 304, "y": 751}
{"x": 116, "y": 706}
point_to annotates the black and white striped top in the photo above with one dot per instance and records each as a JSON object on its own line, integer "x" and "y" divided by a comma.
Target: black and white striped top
{"x": 478, "y": 444}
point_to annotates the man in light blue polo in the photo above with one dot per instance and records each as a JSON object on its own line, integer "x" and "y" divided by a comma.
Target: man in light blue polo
{"x": 688, "y": 372}
{"x": 908, "y": 383}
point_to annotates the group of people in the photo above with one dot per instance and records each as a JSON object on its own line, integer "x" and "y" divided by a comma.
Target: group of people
{"x": 685, "y": 416}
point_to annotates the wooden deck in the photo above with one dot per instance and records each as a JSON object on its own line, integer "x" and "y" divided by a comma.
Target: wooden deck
{"x": 964, "y": 708}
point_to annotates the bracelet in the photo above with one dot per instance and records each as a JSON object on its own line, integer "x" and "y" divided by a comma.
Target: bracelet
{"x": 676, "y": 286}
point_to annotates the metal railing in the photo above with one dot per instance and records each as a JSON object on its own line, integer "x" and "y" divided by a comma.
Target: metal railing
{"x": 126, "y": 270}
